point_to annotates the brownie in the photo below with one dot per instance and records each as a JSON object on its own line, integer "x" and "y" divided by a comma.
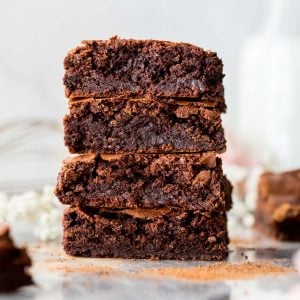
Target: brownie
{"x": 142, "y": 126}
{"x": 135, "y": 68}
{"x": 286, "y": 228}
{"x": 188, "y": 181}
{"x": 13, "y": 263}
{"x": 278, "y": 206}
{"x": 164, "y": 233}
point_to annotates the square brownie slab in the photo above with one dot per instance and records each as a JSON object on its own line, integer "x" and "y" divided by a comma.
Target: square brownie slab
{"x": 143, "y": 126}
{"x": 188, "y": 181}
{"x": 134, "y": 68}
{"x": 163, "y": 233}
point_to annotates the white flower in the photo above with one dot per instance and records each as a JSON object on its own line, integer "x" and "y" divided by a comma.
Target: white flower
{"x": 41, "y": 209}
{"x": 23, "y": 207}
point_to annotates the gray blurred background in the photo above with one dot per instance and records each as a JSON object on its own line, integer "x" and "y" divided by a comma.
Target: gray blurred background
{"x": 258, "y": 41}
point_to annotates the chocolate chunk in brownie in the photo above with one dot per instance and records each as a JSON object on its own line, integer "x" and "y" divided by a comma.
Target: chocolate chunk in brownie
{"x": 13, "y": 263}
{"x": 278, "y": 205}
{"x": 143, "y": 126}
{"x": 134, "y": 68}
{"x": 164, "y": 233}
{"x": 188, "y": 181}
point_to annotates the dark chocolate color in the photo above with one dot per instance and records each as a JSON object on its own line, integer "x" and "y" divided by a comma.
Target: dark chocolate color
{"x": 13, "y": 263}
{"x": 172, "y": 234}
{"x": 134, "y": 68}
{"x": 188, "y": 181}
{"x": 143, "y": 126}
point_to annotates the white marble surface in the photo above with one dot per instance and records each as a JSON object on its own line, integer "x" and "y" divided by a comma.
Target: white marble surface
{"x": 58, "y": 276}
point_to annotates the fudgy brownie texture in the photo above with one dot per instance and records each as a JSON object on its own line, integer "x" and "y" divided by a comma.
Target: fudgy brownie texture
{"x": 13, "y": 263}
{"x": 134, "y": 68}
{"x": 188, "y": 181}
{"x": 164, "y": 233}
{"x": 278, "y": 206}
{"x": 143, "y": 126}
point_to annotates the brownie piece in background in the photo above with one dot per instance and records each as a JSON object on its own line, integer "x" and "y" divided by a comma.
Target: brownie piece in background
{"x": 164, "y": 233}
{"x": 142, "y": 126}
{"x": 187, "y": 181}
{"x": 134, "y": 68}
{"x": 278, "y": 206}
{"x": 13, "y": 263}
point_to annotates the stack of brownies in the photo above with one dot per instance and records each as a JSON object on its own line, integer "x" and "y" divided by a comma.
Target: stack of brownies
{"x": 145, "y": 119}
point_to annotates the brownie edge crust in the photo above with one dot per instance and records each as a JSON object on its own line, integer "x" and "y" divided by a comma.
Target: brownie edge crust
{"x": 164, "y": 233}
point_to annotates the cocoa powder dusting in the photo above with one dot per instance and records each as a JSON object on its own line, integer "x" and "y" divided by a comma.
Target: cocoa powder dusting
{"x": 54, "y": 259}
{"x": 51, "y": 257}
{"x": 220, "y": 271}
{"x": 95, "y": 270}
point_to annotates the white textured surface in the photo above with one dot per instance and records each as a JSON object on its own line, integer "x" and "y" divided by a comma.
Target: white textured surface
{"x": 59, "y": 276}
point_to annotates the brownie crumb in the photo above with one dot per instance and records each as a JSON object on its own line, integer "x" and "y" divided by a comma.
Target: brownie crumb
{"x": 13, "y": 263}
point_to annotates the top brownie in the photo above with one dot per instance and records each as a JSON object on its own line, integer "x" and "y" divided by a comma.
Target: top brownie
{"x": 134, "y": 68}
